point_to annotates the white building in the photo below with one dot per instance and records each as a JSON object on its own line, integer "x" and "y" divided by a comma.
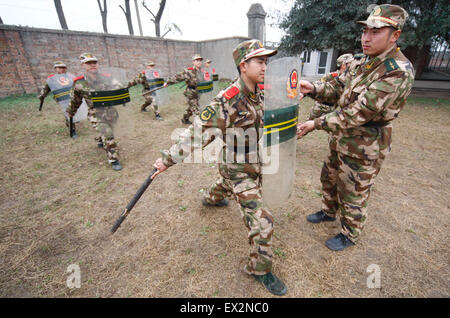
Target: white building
{"x": 317, "y": 63}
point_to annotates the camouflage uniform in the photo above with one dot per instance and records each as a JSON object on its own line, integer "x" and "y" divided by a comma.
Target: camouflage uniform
{"x": 236, "y": 107}
{"x": 319, "y": 108}
{"x": 102, "y": 119}
{"x": 369, "y": 97}
{"x": 191, "y": 76}
{"x": 150, "y": 99}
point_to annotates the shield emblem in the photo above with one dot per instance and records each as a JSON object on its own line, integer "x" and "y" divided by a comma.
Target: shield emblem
{"x": 280, "y": 125}
{"x": 204, "y": 88}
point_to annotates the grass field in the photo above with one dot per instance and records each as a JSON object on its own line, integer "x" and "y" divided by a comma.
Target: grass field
{"x": 59, "y": 199}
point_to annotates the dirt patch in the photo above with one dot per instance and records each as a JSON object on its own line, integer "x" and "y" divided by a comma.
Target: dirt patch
{"x": 59, "y": 199}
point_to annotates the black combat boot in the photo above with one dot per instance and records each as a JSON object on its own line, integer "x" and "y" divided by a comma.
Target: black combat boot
{"x": 339, "y": 242}
{"x": 223, "y": 202}
{"x": 158, "y": 117}
{"x": 115, "y": 165}
{"x": 186, "y": 122}
{"x": 319, "y": 217}
{"x": 272, "y": 283}
{"x": 74, "y": 134}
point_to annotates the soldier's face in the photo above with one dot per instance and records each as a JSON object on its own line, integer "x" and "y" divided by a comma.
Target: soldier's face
{"x": 375, "y": 41}
{"x": 90, "y": 67}
{"x": 255, "y": 69}
{"x": 198, "y": 63}
{"x": 60, "y": 70}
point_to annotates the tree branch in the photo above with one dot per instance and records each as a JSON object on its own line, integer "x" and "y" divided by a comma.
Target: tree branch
{"x": 143, "y": 4}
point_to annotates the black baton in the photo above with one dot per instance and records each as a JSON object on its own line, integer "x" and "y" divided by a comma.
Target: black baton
{"x": 133, "y": 201}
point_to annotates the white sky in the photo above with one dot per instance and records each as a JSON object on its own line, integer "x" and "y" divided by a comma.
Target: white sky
{"x": 197, "y": 19}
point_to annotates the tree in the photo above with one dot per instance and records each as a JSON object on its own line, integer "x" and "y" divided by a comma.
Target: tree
{"x": 60, "y": 12}
{"x": 156, "y": 18}
{"x": 103, "y": 12}
{"x": 319, "y": 25}
{"x": 127, "y": 13}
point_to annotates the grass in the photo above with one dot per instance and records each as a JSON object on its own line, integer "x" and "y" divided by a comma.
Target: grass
{"x": 59, "y": 199}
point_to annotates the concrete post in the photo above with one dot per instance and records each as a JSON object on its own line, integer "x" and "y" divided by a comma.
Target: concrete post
{"x": 257, "y": 22}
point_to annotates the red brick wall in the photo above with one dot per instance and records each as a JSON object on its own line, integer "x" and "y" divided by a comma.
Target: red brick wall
{"x": 27, "y": 54}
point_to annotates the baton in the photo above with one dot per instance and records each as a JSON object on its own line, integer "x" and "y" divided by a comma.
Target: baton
{"x": 153, "y": 90}
{"x": 133, "y": 201}
{"x": 71, "y": 126}
{"x": 40, "y": 105}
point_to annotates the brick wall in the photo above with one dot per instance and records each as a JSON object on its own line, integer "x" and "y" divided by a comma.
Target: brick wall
{"x": 27, "y": 54}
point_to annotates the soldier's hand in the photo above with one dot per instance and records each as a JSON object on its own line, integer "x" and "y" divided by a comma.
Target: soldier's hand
{"x": 160, "y": 166}
{"x": 305, "y": 88}
{"x": 165, "y": 84}
{"x": 305, "y": 128}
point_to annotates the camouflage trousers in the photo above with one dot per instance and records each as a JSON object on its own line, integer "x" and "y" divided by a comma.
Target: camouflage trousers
{"x": 247, "y": 192}
{"x": 193, "y": 104}
{"x": 346, "y": 184}
{"x": 103, "y": 121}
{"x": 150, "y": 101}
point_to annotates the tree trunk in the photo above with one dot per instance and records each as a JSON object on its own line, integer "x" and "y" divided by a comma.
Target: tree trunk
{"x": 418, "y": 57}
{"x": 60, "y": 12}
{"x": 104, "y": 13}
{"x": 127, "y": 13}
{"x": 162, "y": 4}
{"x": 138, "y": 17}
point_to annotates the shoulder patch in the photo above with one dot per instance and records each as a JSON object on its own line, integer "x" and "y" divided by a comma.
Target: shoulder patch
{"x": 261, "y": 86}
{"x": 190, "y": 68}
{"x": 51, "y": 75}
{"x": 207, "y": 113}
{"x": 231, "y": 92}
{"x": 78, "y": 78}
{"x": 143, "y": 72}
{"x": 391, "y": 64}
{"x": 335, "y": 74}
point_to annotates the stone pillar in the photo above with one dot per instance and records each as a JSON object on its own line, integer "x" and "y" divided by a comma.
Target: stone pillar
{"x": 257, "y": 22}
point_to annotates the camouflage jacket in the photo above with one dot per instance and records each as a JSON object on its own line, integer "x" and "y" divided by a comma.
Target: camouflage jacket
{"x": 82, "y": 88}
{"x": 368, "y": 97}
{"x": 234, "y": 107}
{"x": 323, "y": 108}
{"x": 44, "y": 92}
{"x": 191, "y": 76}
{"x": 139, "y": 79}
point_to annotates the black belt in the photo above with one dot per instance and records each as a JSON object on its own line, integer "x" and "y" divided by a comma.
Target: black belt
{"x": 192, "y": 87}
{"x": 376, "y": 124}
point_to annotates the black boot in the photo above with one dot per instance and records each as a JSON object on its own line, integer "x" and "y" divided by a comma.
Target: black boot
{"x": 115, "y": 165}
{"x": 319, "y": 217}
{"x": 224, "y": 202}
{"x": 186, "y": 121}
{"x": 158, "y": 117}
{"x": 339, "y": 242}
{"x": 272, "y": 283}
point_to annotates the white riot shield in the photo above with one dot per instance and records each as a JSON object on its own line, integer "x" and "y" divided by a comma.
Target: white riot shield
{"x": 109, "y": 90}
{"x": 204, "y": 87}
{"x": 281, "y": 90}
{"x": 155, "y": 80}
{"x": 60, "y": 85}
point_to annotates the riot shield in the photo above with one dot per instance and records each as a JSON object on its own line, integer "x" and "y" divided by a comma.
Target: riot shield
{"x": 204, "y": 87}
{"x": 155, "y": 80}
{"x": 281, "y": 89}
{"x": 108, "y": 89}
{"x": 60, "y": 85}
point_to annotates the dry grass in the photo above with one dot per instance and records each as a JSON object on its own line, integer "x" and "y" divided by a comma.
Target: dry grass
{"x": 59, "y": 198}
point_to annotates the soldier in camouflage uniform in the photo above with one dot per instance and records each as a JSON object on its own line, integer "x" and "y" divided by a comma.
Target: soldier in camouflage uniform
{"x": 319, "y": 108}
{"x": 102, "y": 119}
{"x": 239, "y": 106}
{"x": 192, "y": 75}
{"x": 150, "y": 99}
{"x": 369, "y": 97}
{"x": 60, "y": 68}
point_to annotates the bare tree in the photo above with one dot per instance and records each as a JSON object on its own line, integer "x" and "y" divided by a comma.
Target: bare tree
{"x": 103, "y": 12}
{"x": 62, "y": 18}
{"x": 156, "y": 18}
{"x": 138, "y": 17}
{"x": 127, "y": 13}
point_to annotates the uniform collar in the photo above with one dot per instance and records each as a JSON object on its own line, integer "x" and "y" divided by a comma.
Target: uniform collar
{"x": 372, "y": 63}
{"x": 247, "y": 92}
